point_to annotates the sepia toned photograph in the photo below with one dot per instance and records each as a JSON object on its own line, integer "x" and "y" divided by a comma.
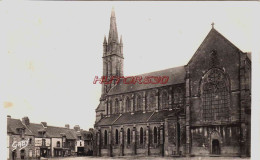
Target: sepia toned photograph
{"x": 128, "y": 80}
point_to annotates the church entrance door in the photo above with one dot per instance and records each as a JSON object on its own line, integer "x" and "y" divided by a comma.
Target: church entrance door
{"x": 215, "y": 146}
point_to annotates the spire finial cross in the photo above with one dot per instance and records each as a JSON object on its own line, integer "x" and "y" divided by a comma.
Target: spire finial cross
{"x": 212, "y": 24}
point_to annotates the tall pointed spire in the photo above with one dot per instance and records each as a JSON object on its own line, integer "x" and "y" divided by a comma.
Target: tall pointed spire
{"x": 105, "y": 40}
{"x": 121, "y": 40}
{"x": 113, "y": 35}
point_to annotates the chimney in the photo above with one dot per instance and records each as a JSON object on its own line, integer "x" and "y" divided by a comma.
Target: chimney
{"x": 76, "y": 128}
{"x": 44, "y": 124}
{"x": 25, "y": 120}
{"x": 67, "y": 126}
{"x": 8, "y": 117}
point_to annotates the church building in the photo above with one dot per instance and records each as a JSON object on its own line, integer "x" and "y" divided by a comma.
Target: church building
{"x": 203, "y": 110}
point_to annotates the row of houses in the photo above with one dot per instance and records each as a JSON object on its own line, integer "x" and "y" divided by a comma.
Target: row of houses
{"x": 27, "y": 140}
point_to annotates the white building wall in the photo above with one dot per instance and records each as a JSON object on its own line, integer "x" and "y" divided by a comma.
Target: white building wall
{"x": 54, "y": 144}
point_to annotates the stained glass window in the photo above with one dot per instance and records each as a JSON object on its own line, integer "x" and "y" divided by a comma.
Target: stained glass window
{"x": 178, "y": 98}
{"x": 116, "y": 106}
{"x": 117, "y": 137}
{"x": 128, "y": 105}
{"x": 141, "y": 136}
{"x": 215, "y": 96}
{"x": 155, "y": 135}
{"x": 139, "y": 103}
{"x": 151, "y": 102}
{"x": 164, "y": 100}
{"x": 105, "y": 138}
{"x": 128, "y": 136}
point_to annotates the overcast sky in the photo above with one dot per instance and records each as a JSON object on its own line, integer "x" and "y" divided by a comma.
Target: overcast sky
{"x": 54, "y": 49}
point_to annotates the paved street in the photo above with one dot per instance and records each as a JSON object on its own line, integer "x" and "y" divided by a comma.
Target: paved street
{"x": 151, "y": 158}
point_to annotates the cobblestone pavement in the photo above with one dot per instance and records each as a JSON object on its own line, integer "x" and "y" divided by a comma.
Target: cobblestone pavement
{"x": 150, "y": 158}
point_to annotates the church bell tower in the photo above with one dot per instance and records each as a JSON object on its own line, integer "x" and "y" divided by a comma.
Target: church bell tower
{"x": 113, "y": 59}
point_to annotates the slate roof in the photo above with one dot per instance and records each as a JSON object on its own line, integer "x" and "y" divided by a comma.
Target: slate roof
{"x": 35, "y": 128}
{"x": 13, "y": 124}
{"x": 160, "y": 116}
{"x": 108, "y": 120}
{"x": 53, "y": 132}
{"x": 249, "y": 55}
{"x": 137, "y": 117}
{"x": 176, "y": 76}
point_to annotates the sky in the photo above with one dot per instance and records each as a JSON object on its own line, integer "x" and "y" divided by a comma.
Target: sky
{"x": 54, "y": 49}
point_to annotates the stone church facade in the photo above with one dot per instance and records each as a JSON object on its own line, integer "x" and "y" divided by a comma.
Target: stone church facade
{"x": 203, "y": 109}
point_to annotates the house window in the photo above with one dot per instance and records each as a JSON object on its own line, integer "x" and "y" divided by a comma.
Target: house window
{"x": 43, "y": 142}
{"x": 215, "y": 96}
{"x": 30, "y": 141}
{"x": 139, "y": 103}
{"x": 128, "y": 105}
{"x": 30, "y": 153}
{"x": 155, "y": 135}
{"x": 22, "y": 152}
{"x": 128, "y": 136}
{"x": 105, "y": 138}
{"x": 164, "y": 100}
{"x": 117, "y": 138}
{"x": 58, "y": 144}
{"x": 141, "y": 135}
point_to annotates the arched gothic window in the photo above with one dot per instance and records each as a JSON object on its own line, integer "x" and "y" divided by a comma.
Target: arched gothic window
{"x": 141, "y": 135}
{"x": 105, "y": 138}
{"x": 215, "y": 95}
{"x": 128, "y": 104}
{"x": 139, "y": 103}
{"x": 155, "y": 135}
{"x": 116, "y": 106}
{"x": 178, "y": 98}
{"x": 152, "y": 102}
{"x": 164, "y": 100}
{"x": 111, "y": 107}
{"x": 117, "y": 137}
{"x": 128, "y": 136}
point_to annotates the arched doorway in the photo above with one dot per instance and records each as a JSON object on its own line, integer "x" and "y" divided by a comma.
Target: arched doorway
{"x": 215, "y": 146}
{"x": 215, "y": 142}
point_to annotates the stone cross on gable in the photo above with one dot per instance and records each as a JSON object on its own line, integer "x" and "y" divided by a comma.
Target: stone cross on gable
{"x": 212, "y": 24}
